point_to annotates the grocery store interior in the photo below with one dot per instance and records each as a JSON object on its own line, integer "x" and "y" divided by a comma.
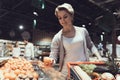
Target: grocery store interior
{"x": 35, "y": 20}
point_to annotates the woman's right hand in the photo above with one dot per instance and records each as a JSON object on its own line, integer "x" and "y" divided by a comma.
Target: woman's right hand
{"x": 48, "y": 61}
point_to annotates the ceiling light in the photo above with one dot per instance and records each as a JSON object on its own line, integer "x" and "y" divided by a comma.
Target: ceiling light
{"x": 83, "y": 25}
{"x": 35, "y": 13}
{"x": 101, "y": 37}
{"x": 89, "y": 23}
{"x": 118, "y": 38}
{"x": 21, "y": 27}
{"x": 103, "y": 33}
{"x": 34, "y": 23}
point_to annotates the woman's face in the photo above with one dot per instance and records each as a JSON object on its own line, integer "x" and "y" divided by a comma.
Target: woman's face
{"x": 65, "y": 19}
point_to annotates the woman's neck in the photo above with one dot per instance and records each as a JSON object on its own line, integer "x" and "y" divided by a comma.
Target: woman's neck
{"x": 68, "y": 31}
{"x": 68, "y": 28}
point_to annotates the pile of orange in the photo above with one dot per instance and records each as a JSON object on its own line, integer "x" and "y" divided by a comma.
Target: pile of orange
{"x": 17, "y": 68}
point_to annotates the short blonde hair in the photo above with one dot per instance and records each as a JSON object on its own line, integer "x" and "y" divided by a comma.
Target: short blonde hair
{"x": 65, "y": 6}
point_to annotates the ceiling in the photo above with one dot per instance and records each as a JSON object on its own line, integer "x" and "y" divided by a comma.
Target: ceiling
{"x": 97, "y": 15}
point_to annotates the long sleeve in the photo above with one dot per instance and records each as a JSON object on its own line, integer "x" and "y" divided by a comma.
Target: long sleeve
{"x": 89, "y": 42}
{"x": 55, "y": 48}
{"x": 91, "y": 46}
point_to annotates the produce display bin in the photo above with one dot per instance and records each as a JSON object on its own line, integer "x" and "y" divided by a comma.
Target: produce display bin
{"x": 72, "y": 73}
{"x": 42, "y": 74}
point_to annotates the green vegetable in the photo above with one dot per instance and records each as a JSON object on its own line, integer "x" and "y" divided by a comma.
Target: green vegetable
{"x": 88, "y": 68}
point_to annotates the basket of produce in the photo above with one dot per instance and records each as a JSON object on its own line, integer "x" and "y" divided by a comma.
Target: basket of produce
{"x": 92, "y": 71}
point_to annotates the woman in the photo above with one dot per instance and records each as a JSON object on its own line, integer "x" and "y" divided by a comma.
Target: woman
{"x": 70, "y": 44}
{"x": 16, "y": 50}
{"x": 29, "y": 50}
